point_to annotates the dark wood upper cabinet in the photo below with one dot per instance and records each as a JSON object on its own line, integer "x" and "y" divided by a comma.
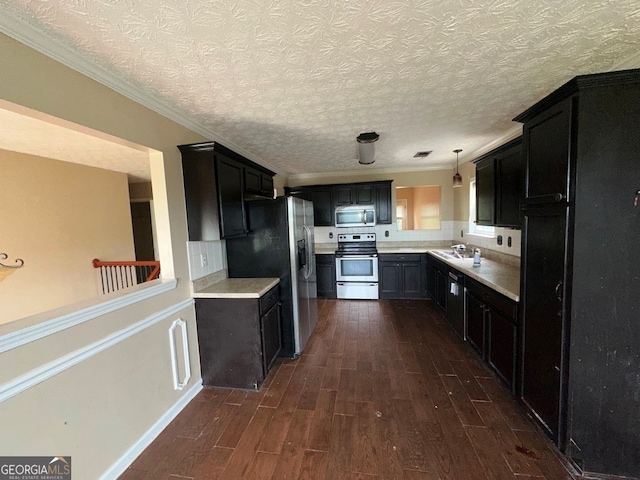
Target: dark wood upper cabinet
{"x": 547, "y": 154}
{"x": 485, "y": 191}
{"x": 322, "y": 199}
{"x": 365, "y": 195}
{"x": 384, "y": 208}
{"x": 230, "y": 181}
{"x": 499, "y": 185}
{"x": 217, "y": 183}
{"x": 509, "y": 187}
{"x": 326, "y": 198}
{"x": 343, "y": 195}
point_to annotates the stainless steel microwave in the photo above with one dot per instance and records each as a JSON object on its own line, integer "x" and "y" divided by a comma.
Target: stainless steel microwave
{"x": 355, "y": 216}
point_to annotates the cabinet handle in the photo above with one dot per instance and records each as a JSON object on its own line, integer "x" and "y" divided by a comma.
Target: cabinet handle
{"x": 559, "y": 291}
{"x": 558, "y": 197}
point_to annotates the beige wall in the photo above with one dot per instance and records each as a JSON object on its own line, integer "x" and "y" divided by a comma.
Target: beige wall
{"x": 98, "y": 409}
{"x": 461, "y": 195}
{"x": 58, "y": 217}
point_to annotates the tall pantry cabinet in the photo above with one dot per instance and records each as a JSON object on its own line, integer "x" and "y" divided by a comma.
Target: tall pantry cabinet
{"x": 581, "y": 270}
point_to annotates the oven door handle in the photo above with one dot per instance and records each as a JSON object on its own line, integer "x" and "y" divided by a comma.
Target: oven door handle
{"x": 358, "y": 257}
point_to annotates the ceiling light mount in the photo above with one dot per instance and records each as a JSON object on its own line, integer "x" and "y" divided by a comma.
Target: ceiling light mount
{"x": 457, "y": 178}
{"x": 366, "y": 147}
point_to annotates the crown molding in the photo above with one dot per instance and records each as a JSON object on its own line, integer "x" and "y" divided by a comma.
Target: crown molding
{"x": 25, "y": 33}
{"x": 513, "y": 132}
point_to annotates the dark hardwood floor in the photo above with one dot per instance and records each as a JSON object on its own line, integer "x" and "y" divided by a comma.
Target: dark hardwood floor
{"x": 384, "y": 390}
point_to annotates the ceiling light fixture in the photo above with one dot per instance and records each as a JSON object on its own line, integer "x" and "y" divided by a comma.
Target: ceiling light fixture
{"x": 423, "y": 154}
{"x": 366, "y": 147}
{"x": 457, "y": 178}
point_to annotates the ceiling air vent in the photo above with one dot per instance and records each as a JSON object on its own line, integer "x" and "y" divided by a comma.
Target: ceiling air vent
{"x": 423, "y": 154}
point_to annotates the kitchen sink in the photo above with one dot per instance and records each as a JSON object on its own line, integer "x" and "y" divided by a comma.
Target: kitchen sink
{"x": 448, "y": 254}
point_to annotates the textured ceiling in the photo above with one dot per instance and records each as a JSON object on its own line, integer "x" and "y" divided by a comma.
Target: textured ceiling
{"x": 291, "y": 83}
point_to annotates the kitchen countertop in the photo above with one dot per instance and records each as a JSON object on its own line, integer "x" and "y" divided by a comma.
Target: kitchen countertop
{"x": 502, "y": 278}
{"x": 325, "y": 248}
{"x": 218, "y": 286}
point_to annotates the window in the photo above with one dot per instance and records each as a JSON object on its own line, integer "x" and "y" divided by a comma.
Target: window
{"x": 473, "y": 228}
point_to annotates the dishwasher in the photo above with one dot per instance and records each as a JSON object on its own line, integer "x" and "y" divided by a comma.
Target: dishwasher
{"x": 455, "y": 302}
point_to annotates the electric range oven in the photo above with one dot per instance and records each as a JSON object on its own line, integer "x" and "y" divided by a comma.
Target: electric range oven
{"x": 357, "y": 266}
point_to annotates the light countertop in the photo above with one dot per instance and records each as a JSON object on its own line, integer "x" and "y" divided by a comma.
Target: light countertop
{"x": 502, "y": 278}
{"x": 218, "y": 286}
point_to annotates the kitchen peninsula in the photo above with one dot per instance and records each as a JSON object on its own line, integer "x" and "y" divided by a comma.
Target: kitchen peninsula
{"x": 238, "y": 329}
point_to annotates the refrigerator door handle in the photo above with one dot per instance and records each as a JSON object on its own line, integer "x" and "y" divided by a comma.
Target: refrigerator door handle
{"x": 307, "y": 236}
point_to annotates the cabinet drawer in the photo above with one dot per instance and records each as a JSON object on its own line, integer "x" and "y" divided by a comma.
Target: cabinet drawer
{"x": 325, "y": 259}
{"x": 400, "y": 257}
{"x": 269, "y": 299}
{"x": 507, "y": 307}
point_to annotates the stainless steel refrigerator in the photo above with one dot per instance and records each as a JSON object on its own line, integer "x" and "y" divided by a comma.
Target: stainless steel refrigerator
{"x": 281, "y": 244}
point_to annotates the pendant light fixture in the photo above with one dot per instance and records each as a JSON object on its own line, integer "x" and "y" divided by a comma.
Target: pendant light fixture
{"x": 457, "y": 178}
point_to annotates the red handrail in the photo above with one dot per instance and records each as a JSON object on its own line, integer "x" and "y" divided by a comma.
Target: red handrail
{"x": 155, "y": 273}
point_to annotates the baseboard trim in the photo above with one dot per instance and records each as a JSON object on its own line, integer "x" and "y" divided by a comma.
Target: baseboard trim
{"x": 119, "y": 467}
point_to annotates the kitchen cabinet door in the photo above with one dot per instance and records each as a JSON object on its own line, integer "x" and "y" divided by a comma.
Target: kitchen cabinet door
{"x": 201, "y": 198}
{"x": 384, "y": 209}
{"x": 271, "y": 336}
{"x": 475, "y": 328}
{"x": 544, "y": 277}
{"x": 230, "y": 182}
{"x": 431, "y": 282}
{"x": 546, "y": 140}
{"x": 509, "y": 187}
{"x": 323, "y": 207}
{"x": 389, "y": 278}
{"x": 485, "y": 191}
{"x": 326, "y": 272}
{"x": 412, "y": 280}
{"x": 502, "y": 347}
{"x": 343, "y": 195}
{"x": 441, "y": 290}
{"x": 364, "y": 195}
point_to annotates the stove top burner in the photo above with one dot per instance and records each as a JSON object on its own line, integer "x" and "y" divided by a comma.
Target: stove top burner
{"x": 356, "y": 244}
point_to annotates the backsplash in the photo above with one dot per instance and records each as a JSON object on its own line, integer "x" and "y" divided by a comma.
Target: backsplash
{"x": 488, "y": 242}
{"x": 444, "y": 234}
{"x": 214, "y": 258}
{"x": 450, "y": 230}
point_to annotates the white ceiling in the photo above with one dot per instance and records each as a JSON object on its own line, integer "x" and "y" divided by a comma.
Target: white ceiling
{"x": 291, "y": 83}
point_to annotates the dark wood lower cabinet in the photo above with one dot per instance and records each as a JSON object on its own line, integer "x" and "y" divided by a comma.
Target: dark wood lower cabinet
{"x": 501, "y": 354}
{"x": 492, "y": 329}
{"x": 239, "y": 339}
{"x": 437, "y": 281}
{"x": 326, "y": 273}
{"x": 402, "y": 276}
{"x": 476, "y": 318}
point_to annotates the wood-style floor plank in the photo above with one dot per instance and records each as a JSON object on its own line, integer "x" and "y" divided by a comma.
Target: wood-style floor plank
{"x": 385, "y": 390}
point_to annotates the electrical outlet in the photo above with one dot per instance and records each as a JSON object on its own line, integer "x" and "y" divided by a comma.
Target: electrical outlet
{"x": 204, "y": 261}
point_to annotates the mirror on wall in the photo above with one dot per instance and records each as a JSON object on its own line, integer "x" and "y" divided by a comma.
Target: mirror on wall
{"x": 418, "y": 208}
